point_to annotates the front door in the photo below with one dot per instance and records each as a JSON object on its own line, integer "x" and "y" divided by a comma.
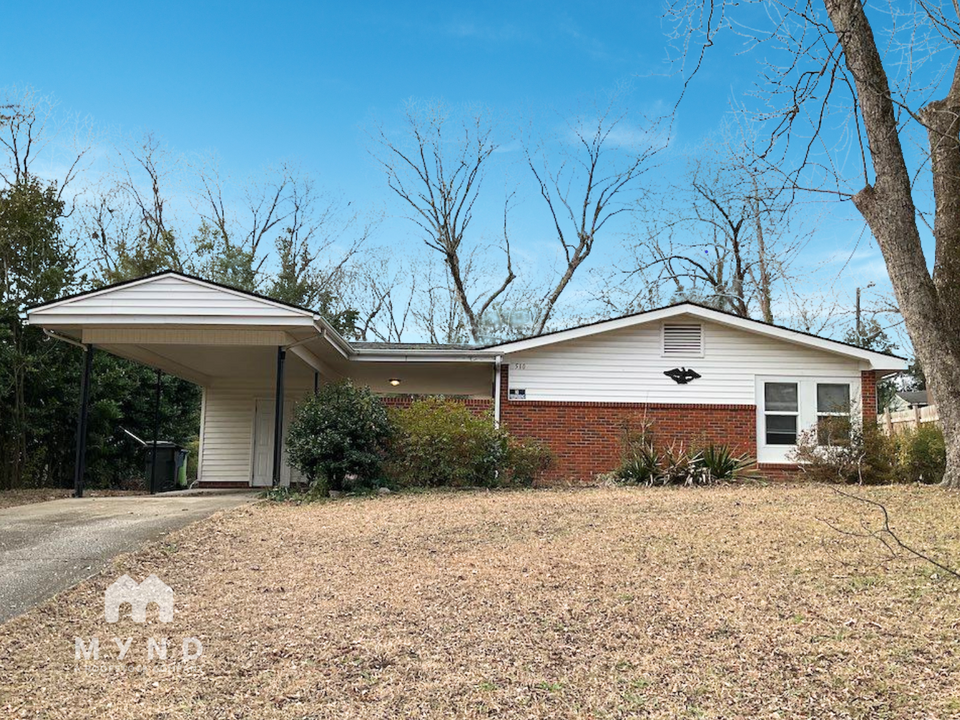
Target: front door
{"x": 263, "y": 444}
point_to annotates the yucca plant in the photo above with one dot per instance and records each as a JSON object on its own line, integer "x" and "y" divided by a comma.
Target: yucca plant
{"x": 680, "y": 467}
{"x": 641, "y": 466}
{"x": 721, "y": 464}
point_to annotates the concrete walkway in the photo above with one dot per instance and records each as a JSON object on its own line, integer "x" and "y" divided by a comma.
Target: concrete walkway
{"x": 50, "y": 546}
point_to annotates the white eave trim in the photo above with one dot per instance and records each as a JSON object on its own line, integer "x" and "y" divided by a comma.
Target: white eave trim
{"x": 877, "y": 361}
{"x": 426, "y": 355}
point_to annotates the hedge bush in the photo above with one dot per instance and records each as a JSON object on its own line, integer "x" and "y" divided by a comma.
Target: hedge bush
{"x": 869, "y": 457}
{"x": 921, "y": 454}
{"x": 440, "y": 442}
{"x": 338, "y": 437}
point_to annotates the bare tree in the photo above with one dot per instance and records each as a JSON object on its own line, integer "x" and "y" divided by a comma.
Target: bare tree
{"x": 826, "y": 71}
{"x": 127, "y": 216}
{"x": 382, "y": 286}
{"x": 31, "y": 132}
{"x": 594, "y": 180}
{"x": 248, "y": 223}
{"x": 437, "y": 170}
{"x": 724, "y": 235}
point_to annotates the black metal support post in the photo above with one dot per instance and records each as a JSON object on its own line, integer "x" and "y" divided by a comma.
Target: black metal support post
{"x": 156, "y": 434}
{"x": 80, "y": 460}
{"x": 316, "y": 382}
{"x": 278, "y": 417}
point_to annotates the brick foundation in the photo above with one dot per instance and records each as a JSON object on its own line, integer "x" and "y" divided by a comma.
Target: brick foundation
{"x": 587, "y": 437}
{"x": 779, "y": 471}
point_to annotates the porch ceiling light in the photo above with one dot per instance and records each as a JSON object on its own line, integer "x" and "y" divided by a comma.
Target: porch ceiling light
{"x": 394, "y": 381}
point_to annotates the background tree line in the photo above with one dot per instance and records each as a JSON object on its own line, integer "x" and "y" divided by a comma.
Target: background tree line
{"x": 723, "y": 233}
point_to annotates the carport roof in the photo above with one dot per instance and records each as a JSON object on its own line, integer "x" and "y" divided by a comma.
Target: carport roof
{"x": 174, "y": 302}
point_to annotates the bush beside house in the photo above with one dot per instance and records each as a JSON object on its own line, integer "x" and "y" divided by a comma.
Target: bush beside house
{"x": 869, "y": 457}
{"x": 646, "y": 462}
{"x": 338, "y": 436}
{"x": 343, "y": 438}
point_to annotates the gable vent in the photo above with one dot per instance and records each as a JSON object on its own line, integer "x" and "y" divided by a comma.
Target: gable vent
{"x": 683, "y": 340}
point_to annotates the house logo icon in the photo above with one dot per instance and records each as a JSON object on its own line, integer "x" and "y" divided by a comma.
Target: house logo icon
{"x": 139, "y": 595}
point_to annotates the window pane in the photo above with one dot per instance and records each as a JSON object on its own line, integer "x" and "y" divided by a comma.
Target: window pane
{"x": 780, "y": 397}
{"x": 781, "y": 429}
{"x": 833, "y": 430}
{"x": 833, "y": 398}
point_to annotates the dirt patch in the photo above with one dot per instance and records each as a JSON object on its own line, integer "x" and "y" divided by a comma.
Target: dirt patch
{"x": 13, "y": 498}
{"x": 718, "y": 603}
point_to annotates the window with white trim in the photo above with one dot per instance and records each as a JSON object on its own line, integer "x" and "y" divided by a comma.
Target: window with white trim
{"x": 781, "y": 404}
{"x": 683, "y": 340}
{"x": 833, "y": 413}
{"x": 793, "y": 409}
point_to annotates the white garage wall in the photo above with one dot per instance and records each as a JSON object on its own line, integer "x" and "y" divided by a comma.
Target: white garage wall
{"x": 627, "y": 366}
{"x": 226, "y": 441}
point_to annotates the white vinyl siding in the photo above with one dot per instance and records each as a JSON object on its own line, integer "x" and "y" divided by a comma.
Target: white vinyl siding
{"x": 166, "y": 300}
{"x": 627, "y": 365}
{"x": 228, "y": 413}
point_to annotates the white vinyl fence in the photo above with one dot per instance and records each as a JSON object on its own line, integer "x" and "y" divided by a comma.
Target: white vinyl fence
{"x": 905, "y": 419}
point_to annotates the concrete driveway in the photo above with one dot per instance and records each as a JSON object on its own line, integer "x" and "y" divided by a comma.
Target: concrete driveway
{"x": 50, "y": 546}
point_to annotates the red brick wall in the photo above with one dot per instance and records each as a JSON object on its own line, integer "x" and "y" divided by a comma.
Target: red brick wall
{"x": 478, "y": 406}
{"x": 868, "y": 394}
{"x": 587, "y": 437}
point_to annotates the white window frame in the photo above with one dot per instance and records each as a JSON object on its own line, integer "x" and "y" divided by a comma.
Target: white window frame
{"x": 822, "y": 414}
{"x": 663, "y": 339}
{"x": 781, "y": 413}
{"x": 807, "y": 410}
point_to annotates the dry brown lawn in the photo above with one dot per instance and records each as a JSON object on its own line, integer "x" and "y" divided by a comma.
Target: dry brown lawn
{"x": 13, "y": 498}
{"x": 736, "y": 602}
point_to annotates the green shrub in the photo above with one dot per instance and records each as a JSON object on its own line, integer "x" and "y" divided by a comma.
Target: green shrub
{"x": 439, "y": 442}
{"x": 640, "y": 465}
{"x": 526, "y": 461}
{"x": 338, "y": 437}
{"x": 921, "y": 454}
{"x": 645, "y": 464}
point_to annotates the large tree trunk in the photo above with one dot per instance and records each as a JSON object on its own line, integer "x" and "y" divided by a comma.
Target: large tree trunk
{"x": 929, "y": 305}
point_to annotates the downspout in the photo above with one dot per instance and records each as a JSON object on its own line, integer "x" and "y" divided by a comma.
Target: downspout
{"x": 63, "y": 338}
{"x": 496, "y": 391}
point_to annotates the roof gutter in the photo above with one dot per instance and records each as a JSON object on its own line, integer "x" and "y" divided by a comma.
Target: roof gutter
{"x": 423, "y": 356}
{"x": 333, "y": 337}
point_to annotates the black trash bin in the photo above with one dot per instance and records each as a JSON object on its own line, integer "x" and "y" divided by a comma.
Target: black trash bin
{"x": 169, "y": 460}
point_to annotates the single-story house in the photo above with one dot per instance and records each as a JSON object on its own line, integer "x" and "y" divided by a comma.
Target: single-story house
{"x": 692, "y": 373}
{"x": 908, "y": 400}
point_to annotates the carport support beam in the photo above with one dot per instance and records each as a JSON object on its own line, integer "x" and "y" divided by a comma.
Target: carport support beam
{"x": 156, "y": 434}
{"x": 278, "y": 417}
{"x": 80, "y": 460}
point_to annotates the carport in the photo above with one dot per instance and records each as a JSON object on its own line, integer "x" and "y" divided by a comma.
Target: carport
{"x": 252, "y": 356}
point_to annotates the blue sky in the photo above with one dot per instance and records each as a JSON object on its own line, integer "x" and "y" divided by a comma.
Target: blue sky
{"x": 261, "y": 82}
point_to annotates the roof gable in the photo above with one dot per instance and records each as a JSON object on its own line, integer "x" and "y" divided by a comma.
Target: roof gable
{"x": 876, "y": 360}
{"x": 168, "y": 298}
